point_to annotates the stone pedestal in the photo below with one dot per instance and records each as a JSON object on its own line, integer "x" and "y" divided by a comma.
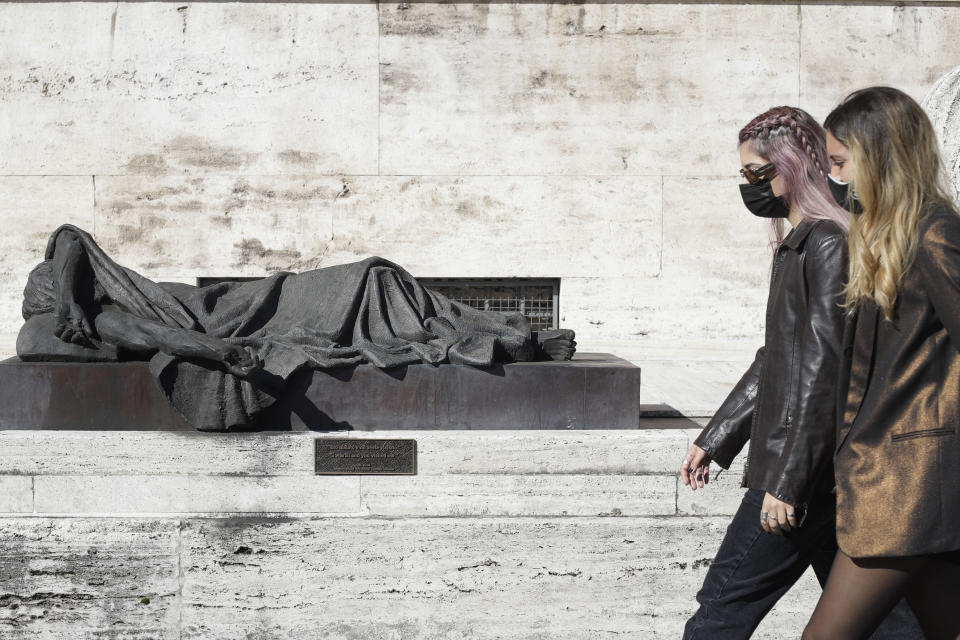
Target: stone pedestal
{"x": 592, "y": 391}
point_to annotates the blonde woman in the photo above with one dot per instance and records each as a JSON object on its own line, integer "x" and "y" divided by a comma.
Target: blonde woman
{"x": 897, "y": 462}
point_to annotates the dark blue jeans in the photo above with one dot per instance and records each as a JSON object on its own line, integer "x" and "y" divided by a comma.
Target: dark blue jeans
{"x": 753, "y": 569}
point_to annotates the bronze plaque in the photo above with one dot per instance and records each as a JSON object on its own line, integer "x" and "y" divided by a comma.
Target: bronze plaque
{"x": 365, "y": 456}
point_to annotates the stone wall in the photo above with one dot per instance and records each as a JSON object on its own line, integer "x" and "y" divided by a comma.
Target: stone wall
{"x": 572, "y": 535}
{"x": 943, "y": 106}
{"x": 591, "y": 142}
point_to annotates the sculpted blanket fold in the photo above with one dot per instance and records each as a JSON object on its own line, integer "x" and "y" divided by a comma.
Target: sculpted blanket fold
{"x": 368, "y": 311}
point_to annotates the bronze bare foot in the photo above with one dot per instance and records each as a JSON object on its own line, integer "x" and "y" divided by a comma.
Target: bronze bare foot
{"x": 72, "y": 324}
{"x": 557, "y": 344}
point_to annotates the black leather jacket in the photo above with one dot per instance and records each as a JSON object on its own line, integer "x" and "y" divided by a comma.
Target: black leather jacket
{"x": 785, "y": 402}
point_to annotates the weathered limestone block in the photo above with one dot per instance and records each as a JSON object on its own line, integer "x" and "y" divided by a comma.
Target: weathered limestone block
{"x": 942, "y": 104}
{"x": 192, "y": 494}
{"x": 89, "y": 578}
{"x": 610, "y": 453}
{"x": 199, "y": 88}
{"x": 352, "y": 578}
{"x": 502, "y": 226}
{"x": 713, "y": 244}
{"x": 497, "y": 227}
{"x": 520, "y": 495}
{"x": 92, "y": 453}
{"x": 33, "y": 206}
{"x": 850, "y": 46}
{"x": 692, "y": 388}
{"x": 216, "y": 225}
{"x": 576, "y": 89}
{"x": 664, "y": 312}
{"x": 713, "y": 280}
{"x": 16, "y": 494}
{"x": 30, "y": 208}
{"x": 441, "y": 578}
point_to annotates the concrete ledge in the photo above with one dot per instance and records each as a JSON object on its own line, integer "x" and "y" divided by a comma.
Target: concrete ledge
{"x": 520, "y": 495}
{"x": 186, "y": 494}
{"x": 77, "y": 453}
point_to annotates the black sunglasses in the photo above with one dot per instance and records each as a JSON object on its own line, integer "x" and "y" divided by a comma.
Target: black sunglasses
{"x": 753, "y": 176}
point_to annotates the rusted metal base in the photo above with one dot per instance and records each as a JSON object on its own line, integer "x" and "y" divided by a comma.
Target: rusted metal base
{"x": 592, "y": 391}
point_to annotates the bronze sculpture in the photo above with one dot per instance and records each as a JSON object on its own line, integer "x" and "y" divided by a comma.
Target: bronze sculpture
{"x": 223, "y": 352}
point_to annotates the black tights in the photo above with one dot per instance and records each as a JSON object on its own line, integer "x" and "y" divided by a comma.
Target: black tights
{"x": 861, "y": 592}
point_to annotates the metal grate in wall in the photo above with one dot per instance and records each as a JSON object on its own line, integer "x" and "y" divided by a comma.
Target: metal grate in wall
{"x": 535, "y": 299}
{"x": 206, "y": 281}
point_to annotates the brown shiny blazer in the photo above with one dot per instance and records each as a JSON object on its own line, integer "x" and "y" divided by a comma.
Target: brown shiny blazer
{"x": 897, "y": 462}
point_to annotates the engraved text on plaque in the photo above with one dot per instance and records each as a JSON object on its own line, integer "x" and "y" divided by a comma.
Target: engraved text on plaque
{"x": 349, "y": 456}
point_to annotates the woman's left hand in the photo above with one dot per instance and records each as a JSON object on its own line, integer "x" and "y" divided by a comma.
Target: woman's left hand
{"x": 781, "y": 517}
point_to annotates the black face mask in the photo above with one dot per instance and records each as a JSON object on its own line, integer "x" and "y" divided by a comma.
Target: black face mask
{"x": 844, "y": 196}
{"x": 761, "y": 202}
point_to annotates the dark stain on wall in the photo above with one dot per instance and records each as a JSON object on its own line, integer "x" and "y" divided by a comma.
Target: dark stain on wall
{"x": 251, "y": 250}
{"x": 146, "y": 163}
{"x": 307, "y": 159}
{"x": 434, "y": 20}
{"x": 193, "y": 151}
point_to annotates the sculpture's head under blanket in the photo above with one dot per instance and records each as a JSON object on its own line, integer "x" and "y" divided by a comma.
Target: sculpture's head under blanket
{"x": 40, "y": 294}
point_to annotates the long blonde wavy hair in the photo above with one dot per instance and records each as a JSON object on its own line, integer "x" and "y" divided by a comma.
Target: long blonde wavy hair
{"x": 898, "y": 177}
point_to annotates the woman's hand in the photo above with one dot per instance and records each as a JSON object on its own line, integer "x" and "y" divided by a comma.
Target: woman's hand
{"x": 695, "y": 468}
{"x": 781, "y": 517}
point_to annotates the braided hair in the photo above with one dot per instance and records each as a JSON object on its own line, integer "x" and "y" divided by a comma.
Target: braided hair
{"x": 796, "y": 145}
{"x": 782, "y": 120}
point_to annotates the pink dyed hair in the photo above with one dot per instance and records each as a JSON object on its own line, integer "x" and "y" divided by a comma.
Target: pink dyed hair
{"x": 796, "y": 145}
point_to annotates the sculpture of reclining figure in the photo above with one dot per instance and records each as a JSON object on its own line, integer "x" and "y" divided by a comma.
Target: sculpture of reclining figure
{"x": 222, "y": 353}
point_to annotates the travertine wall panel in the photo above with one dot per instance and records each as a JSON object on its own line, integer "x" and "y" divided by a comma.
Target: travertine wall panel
{"x": 455, "y": 578}
{"x": 89, "y": 578}
{"x": 521, "y": 495}
{"x": 16, "y": 494}
{"x": 566, "y": 534}
{"x": 206, "y": 87}
{"x": 185, "y": 493}
{"x": 575, "y": 89}
{"x": 483, "y": 140}
{"x": 665, "y": 311}
{"x": 183, "y": 227}
{"x": 31, "y": 207}
{"x": 460, "y": 578}
{"x": 942, "y": 104}
{"x": 851, "y": 46}
{"x": 503, "y": 226}
{"x": 105, "y": 453}
{"x": 359, "y": 578}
